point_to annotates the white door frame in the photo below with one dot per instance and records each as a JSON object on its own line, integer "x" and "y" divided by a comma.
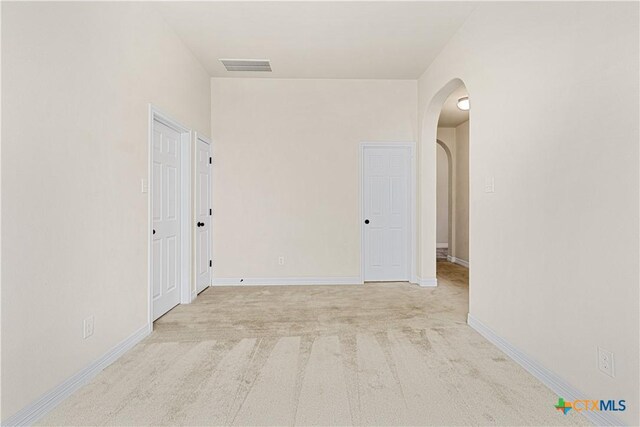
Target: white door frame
{"x": 186, "y": 219}
{"x": 411, "y": 250}
{"x": 208, "y": 141}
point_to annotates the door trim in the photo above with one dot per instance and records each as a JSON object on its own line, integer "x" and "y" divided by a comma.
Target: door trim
{"x": 186, "y": 222}
{"x": 411, "y": 250}
{"x": 206, "y": 140}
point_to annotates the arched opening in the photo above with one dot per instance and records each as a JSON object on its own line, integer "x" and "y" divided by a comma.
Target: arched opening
{"x": 452, "y": 187}
{"x": 452, "y": 190}
{"x": 445, "y": 146}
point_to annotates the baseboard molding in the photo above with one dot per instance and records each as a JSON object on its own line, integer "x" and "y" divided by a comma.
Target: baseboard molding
{"x": 36, "y": 410}
{"x": 458, "y": 261}
{"x": 442, "y": 245}
{"x": 462, "y": 262}
{"x": 430, "y": 282}
{"x": 544, "y": 375}
{"x": 275, "y": 281}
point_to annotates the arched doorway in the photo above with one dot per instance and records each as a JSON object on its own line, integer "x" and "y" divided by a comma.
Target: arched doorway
{"x": 438, "y": 134}
{"x": 453, "y": 148}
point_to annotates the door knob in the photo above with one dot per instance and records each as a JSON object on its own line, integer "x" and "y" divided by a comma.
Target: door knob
{"x": 200, "y": 224}
{"x": 154, "y": 231}
{"x": 366, "y": 221}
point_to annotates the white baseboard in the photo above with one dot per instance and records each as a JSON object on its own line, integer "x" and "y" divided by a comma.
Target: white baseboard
{"x": 430, "y": 282}
{"x": 547, "y": 377}
{"x": 442, "y": 245}
{"x": 458, "y": 261}
{"x": 36, "y": 410}
{"x": 269, "y": 281}
{"x": 462, "y": 262}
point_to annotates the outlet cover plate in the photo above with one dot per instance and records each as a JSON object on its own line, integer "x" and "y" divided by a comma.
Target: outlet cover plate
{"x": 88, "y": 325}
{"x": 489, "y": 185}
{"x": 605, "y": 362}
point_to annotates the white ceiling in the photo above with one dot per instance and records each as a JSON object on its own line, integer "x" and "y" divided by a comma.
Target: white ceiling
{"x": 318, "y": 39}
{"x": 451, "y": 115}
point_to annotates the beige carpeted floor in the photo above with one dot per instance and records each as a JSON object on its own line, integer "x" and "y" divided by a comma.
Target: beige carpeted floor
{"x": 378, "y": 354}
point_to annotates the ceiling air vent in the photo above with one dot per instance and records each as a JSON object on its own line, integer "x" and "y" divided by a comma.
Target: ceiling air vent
{"x": 246, "y": 64}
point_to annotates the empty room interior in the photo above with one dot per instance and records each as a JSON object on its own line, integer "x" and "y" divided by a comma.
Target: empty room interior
{"x": 320, "y": 213}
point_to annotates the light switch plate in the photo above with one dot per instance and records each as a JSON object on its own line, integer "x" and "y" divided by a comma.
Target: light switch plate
{"x": 144, "y": 187}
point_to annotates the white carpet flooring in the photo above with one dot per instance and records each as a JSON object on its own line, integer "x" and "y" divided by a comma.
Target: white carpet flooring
{"x": 378, "y": 354}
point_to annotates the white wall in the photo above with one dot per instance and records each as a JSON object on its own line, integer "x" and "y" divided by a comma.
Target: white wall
{"x": 457, "y": 142}
{"x": 447, "y": 136}
{"x": 442, "y": 197}
{"x": 462, "y": 192}
{"x": 286, "y": 172}
{"x": 77, "y": 79}
{"x": 554, "y": 118}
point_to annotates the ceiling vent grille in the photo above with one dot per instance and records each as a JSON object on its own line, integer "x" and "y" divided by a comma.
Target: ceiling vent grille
{"x": 246, "y": 64}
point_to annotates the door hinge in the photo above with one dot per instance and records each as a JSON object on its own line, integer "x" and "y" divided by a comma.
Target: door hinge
{"x": 210, "y": 263}
{"x": 210, "y": 160}
{"x": 210, "y": 212}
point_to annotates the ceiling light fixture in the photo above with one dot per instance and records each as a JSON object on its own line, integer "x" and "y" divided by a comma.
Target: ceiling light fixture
{"x": 463, "y": 103}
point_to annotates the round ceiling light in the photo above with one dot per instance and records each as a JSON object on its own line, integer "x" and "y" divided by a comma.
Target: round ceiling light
{"x": 463, "y": 103}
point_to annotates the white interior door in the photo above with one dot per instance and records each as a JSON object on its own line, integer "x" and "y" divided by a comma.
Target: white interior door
{"x": 203, "y": 215}
{"x": 386, "y": 211}
{"x": 165, "y": 207}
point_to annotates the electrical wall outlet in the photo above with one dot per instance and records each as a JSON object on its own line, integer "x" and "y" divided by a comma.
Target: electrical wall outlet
{"x": 605, "y": 361}
{"x": 281, "y": 260}
{"x": 87, "y": 327}
{"x": 489, "y": 185}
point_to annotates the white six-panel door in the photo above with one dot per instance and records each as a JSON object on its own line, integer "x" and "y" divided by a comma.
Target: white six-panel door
{"x": 386, "y": 207}
{"x": 165, "y": 207}
{"x": 203, "y": 215}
